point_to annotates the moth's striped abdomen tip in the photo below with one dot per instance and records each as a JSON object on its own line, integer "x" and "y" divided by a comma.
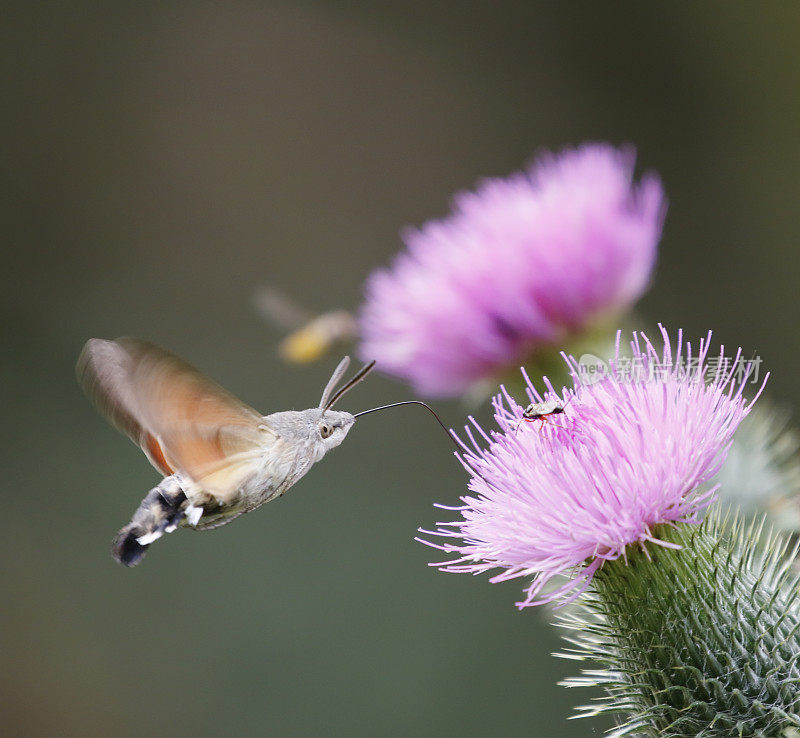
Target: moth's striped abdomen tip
{"x": 126, "y": 549}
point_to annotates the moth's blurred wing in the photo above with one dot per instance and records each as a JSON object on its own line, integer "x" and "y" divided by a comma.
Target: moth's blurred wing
{"x": 181, "y": 419}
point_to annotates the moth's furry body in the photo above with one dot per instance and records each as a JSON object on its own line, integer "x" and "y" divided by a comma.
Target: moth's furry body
{"x": 290, "y": 450}
{"x": 220, "y": 458}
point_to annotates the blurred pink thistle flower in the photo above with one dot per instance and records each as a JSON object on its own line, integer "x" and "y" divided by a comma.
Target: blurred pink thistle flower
{"x": 563, "y": 495}
{"x": 521, "y": 263}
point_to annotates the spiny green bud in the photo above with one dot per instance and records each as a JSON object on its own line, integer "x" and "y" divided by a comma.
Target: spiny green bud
{"x": 703, "y": 640}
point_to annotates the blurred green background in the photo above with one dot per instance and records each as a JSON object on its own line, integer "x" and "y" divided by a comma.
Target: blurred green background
{"x": 162, "y": 160}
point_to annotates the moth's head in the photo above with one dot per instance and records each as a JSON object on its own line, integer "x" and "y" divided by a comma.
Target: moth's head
{"x": 319, "y": 429}
{"x": 312, "y": 431}
{"x": 331, "y": 427}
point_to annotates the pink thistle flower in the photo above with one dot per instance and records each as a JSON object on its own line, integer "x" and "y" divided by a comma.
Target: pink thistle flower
{"x": 561, "y": 495}
{"x": 520, "y": 264}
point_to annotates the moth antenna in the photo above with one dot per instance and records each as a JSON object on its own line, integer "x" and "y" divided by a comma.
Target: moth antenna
{"x": 336, "y": 377}
{"x": 412, "y": 402}
{"x": 357, "y": 377}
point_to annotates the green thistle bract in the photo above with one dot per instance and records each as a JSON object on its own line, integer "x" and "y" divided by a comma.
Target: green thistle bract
{"x": 700, "y": 641}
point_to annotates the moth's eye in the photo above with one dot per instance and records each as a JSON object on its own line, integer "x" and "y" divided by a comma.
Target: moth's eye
{"x": 325, "y": 430}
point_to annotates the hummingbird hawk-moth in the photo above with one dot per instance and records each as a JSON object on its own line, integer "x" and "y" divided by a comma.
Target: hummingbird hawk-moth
{"x": 219, "y": 457}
